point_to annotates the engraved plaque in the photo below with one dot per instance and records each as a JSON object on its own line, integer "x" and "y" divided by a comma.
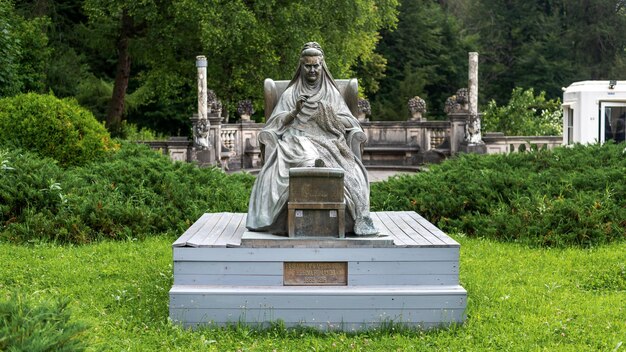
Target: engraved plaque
{"x": 315, "y": 274}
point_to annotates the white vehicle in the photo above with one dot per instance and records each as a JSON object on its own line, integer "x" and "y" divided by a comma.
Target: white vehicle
{"x": 594, "y": 111}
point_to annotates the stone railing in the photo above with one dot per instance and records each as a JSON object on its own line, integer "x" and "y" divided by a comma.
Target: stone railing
{"x": 240, "y": 147}
{"x": 177, "y": 148}
{"x": 401, "y": 143}
{"x": 499, "y": 143}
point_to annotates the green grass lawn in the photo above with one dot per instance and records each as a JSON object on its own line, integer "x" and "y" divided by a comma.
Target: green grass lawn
{"x": 519, "y": 298}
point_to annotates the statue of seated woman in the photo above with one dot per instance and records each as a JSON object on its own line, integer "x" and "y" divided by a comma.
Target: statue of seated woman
{"x": 311, "y": 120}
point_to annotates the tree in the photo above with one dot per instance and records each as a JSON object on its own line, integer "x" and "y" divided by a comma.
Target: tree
{"x": 525, "y": 115}
{"x": 425, "y": 57}
{"x": 245, "y": 42}
{"x": 24, "y": 51}
{"x": 545, "y": 44}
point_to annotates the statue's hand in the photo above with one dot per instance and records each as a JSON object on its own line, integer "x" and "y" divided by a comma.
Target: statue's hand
{"x": 301, "y": 100}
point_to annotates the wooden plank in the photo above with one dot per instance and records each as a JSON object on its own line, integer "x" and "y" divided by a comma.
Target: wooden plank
{"x": 393, "y": 279}
{"x": 244, "y": 280}
{"x": 381, "y": 225}
{"x": 417, "y": 254}
{"x": 235, "y": 238}
{"x": 205, "y": 229}
{"x": 424, "y": 232}
{"x": 277, "y": 280}
{"x": 400, "y": 290}
{"x": 433, "y": 229}
{"x": 382, "y": 229}
{"x": 317, "y": 316}
{"x": 210, "y": 231}
{"x": 416, "y": 236}
{"x": 327, "y": 326}
{"x": 232, "y": 268}
{"x": 354, "y": 268}
{"x": 389, "y": 301}
{"x": 418, "y": 228}
{"x": 400, "y": 238}
{"x": 225, "y": 236}
{"x": 192, "y": 230}
{"x": 403, "y": 268}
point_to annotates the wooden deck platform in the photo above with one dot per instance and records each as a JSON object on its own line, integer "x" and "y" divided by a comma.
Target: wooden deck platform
{"x": 224, "y": 274}
{"x": 405, "y": 228}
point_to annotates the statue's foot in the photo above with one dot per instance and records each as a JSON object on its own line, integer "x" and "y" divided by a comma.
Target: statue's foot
{"x": 364, "y": 226}
{"x": 320, "y": 163}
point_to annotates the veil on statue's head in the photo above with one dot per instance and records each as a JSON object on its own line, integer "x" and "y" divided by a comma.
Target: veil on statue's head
{"x": 312, "y": 49}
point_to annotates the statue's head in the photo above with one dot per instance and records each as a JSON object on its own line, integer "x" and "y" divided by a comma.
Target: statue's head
{"x": 312, "y": 61}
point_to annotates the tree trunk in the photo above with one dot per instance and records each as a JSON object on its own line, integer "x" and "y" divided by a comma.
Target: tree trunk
{"x": 116, "y": 106}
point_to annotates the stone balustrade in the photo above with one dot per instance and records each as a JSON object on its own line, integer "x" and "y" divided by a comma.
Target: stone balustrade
{"x": 499, "y": 143}
{"x": 390, "y": 143}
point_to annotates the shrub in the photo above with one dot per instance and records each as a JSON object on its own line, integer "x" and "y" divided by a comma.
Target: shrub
{"x": 55, "y": 128}
{"x": 549, "y": 198}
{"x": 525, "y": 115}
{"x": 134, "y": 193}
{"x": 27, "y": 325}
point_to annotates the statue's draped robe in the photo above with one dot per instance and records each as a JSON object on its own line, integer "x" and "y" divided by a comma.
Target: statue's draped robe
{"x": 318, "y": 132}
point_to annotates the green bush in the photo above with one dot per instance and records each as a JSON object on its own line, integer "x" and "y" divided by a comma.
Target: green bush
{"x": 134, "y": 193}
{"x": 525, "y": 115}
{"x": 549, "y": 198}
{"x": 52, "y": 127}
{"x": 27, "y": 325}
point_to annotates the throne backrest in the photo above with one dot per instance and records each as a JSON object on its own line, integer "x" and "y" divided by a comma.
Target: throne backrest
{"x": 348, "y": 88}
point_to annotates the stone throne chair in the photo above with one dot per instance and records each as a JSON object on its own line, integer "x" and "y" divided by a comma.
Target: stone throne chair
{"x": 272, "y": 90}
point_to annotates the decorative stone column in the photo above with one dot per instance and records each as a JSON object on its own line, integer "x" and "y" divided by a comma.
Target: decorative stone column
{"x": 473, "y": 142}
{"x": 203, "y": 151}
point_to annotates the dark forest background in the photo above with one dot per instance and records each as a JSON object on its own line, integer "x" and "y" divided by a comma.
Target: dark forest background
{"x": 134, "y": 61}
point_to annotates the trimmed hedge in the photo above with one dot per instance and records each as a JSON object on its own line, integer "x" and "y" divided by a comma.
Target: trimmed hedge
{"x": 568, "y": 196}
{"x": 56, "y": 128}
{"x": 134, "y": 193}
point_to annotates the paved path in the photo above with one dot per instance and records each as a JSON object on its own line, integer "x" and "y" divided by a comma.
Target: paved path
{"x": 382, "y": 175}
{"x": 375, "y": 175}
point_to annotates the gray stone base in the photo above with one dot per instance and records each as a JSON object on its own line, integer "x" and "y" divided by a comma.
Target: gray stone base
{"x": 476, "y": 148}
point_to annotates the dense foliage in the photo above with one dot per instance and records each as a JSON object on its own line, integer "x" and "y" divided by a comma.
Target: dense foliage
{"x": 141, "y": 54}
{"x": 24, "y": 52}
{"x": 525, "y": 115}
{"x": 57, "y": 128}
{"x": 30, "y": 325}
{"x": 568, "y": 196}
{"x": 134, "y": 193}
{"x": 543, "y": 44}
{"x": 426, "y": 56}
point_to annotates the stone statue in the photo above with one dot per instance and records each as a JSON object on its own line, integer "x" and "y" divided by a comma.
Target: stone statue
{"x": 201, "y": 132}
{"x": 311, "y": 120}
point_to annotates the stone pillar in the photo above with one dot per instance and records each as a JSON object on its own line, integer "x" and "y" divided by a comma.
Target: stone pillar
{"x": 202, "y": 87}
{"x": 473, "y": 142}
{"x": 203, "y": 150}
{"x": 458, "y": 120}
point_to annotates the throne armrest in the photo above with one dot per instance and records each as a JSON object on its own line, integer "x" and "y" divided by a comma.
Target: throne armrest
{"x": 270, "y": 95}
{"x": 267, "y": 141}
{"x": 356, "y": 140}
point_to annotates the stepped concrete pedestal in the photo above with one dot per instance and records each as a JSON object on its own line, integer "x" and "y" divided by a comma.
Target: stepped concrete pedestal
{"x": 224, "y": 274}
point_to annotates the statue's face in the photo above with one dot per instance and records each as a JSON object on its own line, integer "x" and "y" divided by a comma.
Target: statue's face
{"x": 312, "y": 68}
